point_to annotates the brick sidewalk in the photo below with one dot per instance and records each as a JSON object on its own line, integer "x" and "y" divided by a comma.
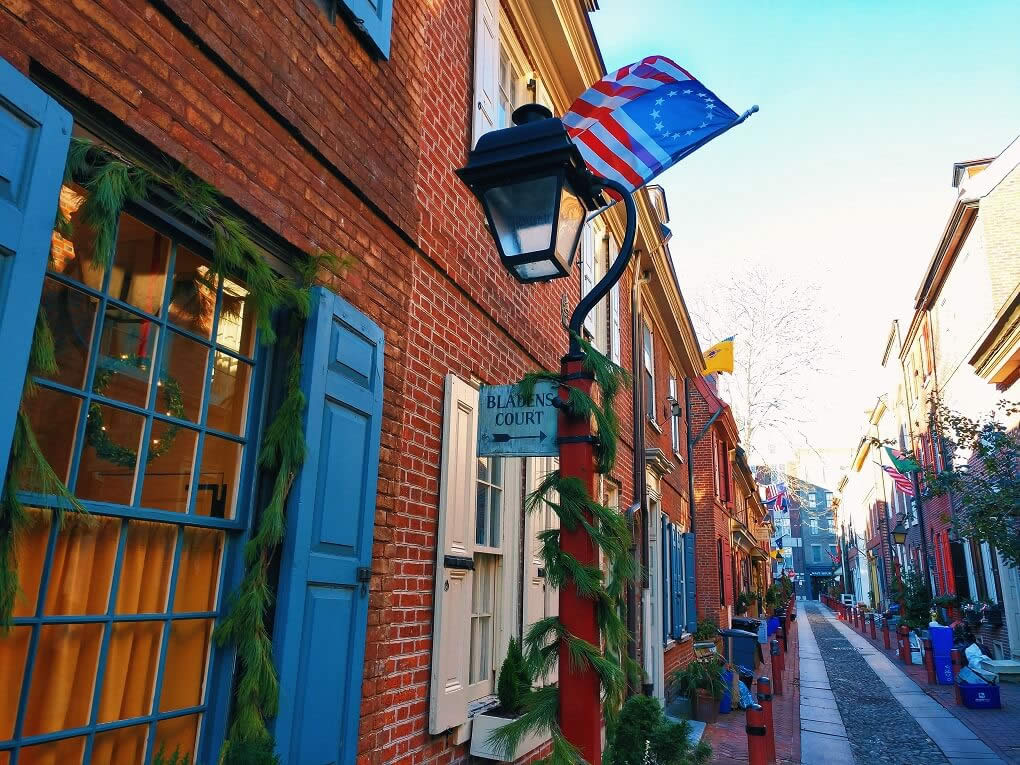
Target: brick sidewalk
{"x": 996, "y": 727}
{"x": 728, "y": 738}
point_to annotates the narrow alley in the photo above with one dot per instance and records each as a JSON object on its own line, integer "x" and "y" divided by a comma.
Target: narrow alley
{"x": 858, "y": 706}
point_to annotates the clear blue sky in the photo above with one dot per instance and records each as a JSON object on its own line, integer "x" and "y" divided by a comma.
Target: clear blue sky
{"x": 843, "y": 177}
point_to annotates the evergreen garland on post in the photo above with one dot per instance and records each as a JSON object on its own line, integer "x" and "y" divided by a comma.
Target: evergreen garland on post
{"x": 111, "y": 182}
{"x": 608, "y": 530}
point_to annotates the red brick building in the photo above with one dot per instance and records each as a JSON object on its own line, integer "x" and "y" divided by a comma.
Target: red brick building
{"x": 332, "y": 126}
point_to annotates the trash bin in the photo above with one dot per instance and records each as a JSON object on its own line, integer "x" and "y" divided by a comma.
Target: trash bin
{"x": 745, "y": 650}
{"x": 750, "y": 624}
{"x": 726, "y": 702}
{"x": 773, "y": 624}
{"x": 941, "y": 640}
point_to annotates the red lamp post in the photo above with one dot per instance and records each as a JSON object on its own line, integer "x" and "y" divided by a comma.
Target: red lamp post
{"x": 535, "y": 190}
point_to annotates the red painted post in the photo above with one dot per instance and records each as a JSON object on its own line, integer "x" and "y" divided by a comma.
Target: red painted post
{"x": 903, "y": 641}
{"x": 872, "y": 618}
{"x": 929, "y": 661}
{"x": 765, "y": 699}
{"x": 885, "y": 634}
{"x": 777, "y": 667}
{"x": 957, "y": 661}
{"x": 757, "y": 751}
{"x": 581, "y": 718}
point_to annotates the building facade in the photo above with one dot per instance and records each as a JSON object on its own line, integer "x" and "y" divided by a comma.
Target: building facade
{"x": 961, "y": 350}
{"x": 329, "y": 127}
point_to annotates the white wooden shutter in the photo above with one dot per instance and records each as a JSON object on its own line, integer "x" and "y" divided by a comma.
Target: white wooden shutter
{"x": 540, "y": 598}
{"x": 452, "y": 610}
{"x": 486, "y": 68}
{"x": 614, "y": 306}
{"x": 588, "y": 272}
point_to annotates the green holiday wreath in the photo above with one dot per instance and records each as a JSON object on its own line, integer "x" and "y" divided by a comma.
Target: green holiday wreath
{"x": 95, "y": 430}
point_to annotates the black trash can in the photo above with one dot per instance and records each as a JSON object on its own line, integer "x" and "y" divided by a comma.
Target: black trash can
{"x": 746, "y": 652}
{"x": 747, "y": 624}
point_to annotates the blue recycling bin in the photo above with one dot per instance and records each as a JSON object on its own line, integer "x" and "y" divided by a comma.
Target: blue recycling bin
{"x": 941, "y": 640}
{"x": 726, "y": 702}
{"x": 773, "y": 624}
{"x": 943, "y": 669}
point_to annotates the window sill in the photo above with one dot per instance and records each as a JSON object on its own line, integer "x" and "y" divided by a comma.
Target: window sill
{"x": 677, "y": 455}
{"x": 654, "y": 425}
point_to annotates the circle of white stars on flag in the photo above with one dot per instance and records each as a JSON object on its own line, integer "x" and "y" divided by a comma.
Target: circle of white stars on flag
{"x": 665, "y": 132}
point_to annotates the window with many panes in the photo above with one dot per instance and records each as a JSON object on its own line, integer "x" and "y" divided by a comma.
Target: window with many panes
{"x": 511, "y": 88}
{"x": 675, "y": 411}
{"x": 488, "y": 567}
{"x": 649, "y": 373}
{"x": 147, "y": 420}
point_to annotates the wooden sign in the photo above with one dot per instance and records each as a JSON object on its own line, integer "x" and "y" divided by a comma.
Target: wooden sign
{"x": 511, "y": 426}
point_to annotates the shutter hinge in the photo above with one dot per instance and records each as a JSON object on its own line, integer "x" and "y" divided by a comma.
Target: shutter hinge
{"x": 364, "y": 576}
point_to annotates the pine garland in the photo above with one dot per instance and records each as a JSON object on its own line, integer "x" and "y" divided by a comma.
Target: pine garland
{"x": 111, "y": 182}
{"x": 609, "y": 531}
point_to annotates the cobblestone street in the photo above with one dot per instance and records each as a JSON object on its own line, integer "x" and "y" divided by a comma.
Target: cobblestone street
{"x": 879, "y": 728}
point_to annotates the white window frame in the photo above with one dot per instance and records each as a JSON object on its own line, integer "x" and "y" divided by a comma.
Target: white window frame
{"x": 674, "y": 418}
{"x": 648, "y": 367}
{"x": 453, "y": 690}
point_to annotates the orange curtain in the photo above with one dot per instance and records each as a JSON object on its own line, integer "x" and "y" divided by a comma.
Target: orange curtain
{"x": 64, "y": 677}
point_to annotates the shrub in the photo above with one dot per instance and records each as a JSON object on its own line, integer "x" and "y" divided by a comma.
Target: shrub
{"x": 642, "y": 731}
{"x": 706, "y": 630}
{"x": 514, "y": 684}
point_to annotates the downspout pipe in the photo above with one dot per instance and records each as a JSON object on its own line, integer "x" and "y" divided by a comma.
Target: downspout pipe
{"x": 638, "y": 411}
{"x": 640, "y": 488}
{"x": 632, "y": 604}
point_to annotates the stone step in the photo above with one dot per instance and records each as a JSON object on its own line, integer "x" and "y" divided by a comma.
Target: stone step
{"x": 1007, "y": 669}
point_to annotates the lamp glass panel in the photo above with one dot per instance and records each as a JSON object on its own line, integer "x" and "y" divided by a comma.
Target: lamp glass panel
{"x": 568, "y": 233}
{"x": 539, "y": 269}
{"x": 522, "y": 214}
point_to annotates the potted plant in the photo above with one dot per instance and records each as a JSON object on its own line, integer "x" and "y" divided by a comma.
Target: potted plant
{"x": 702, "y": 681}
{"x": 947, "y": 605}
{"x": 772, "y": 598}
{"x": 991, "y": 614}
{"x": 513, "y": 688}
{"x": 707, "y": 632}
{"x": 643, "y": 734}
{"x": 972, "y": 612}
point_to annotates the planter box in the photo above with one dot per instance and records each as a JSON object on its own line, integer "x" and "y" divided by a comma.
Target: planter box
{"x": 482, "y": 727}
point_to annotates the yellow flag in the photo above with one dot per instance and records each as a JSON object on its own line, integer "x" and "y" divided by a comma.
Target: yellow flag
{"x": 719, "y": 358}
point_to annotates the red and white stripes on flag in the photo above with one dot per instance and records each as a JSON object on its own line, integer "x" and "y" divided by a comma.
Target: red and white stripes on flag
{"x": 902, "y": 482}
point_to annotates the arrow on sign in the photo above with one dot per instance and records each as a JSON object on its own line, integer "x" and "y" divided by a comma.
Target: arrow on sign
{"x": 502, "y": 438}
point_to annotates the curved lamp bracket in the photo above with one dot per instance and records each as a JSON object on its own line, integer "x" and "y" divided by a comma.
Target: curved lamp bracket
{"x": 613, "y": 275}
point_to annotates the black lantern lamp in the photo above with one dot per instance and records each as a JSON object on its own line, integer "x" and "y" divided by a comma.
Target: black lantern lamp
{"x": 899, "y": 533}
{"x": 536, "y": 193}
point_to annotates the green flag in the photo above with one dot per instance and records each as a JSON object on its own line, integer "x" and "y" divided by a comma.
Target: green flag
{"x": 903, "y": 464}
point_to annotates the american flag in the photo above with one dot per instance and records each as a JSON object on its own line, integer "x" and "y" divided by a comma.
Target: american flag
{"x": 642, "y": 119}
{"x": 902, "y": 482}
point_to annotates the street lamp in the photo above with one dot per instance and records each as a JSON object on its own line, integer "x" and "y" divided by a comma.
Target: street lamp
{"x": 899, "y": 534}
{"x": 536, "y": 193}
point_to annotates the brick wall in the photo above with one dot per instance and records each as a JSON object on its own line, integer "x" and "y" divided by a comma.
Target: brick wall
{"x": 329, "y": 148}
{"x": 1000, "y": 216}
{"x": 711, "y": 523}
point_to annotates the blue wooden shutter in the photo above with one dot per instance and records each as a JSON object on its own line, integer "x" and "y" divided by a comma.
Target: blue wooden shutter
{"x": 374, "y": 18}
{"x": 678, "y": 583}
{"x": 692, "y": 608}
{"x": 665, "y": 579}
{"x": 322, "y": 614}
{"x": 34, "y": 134}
